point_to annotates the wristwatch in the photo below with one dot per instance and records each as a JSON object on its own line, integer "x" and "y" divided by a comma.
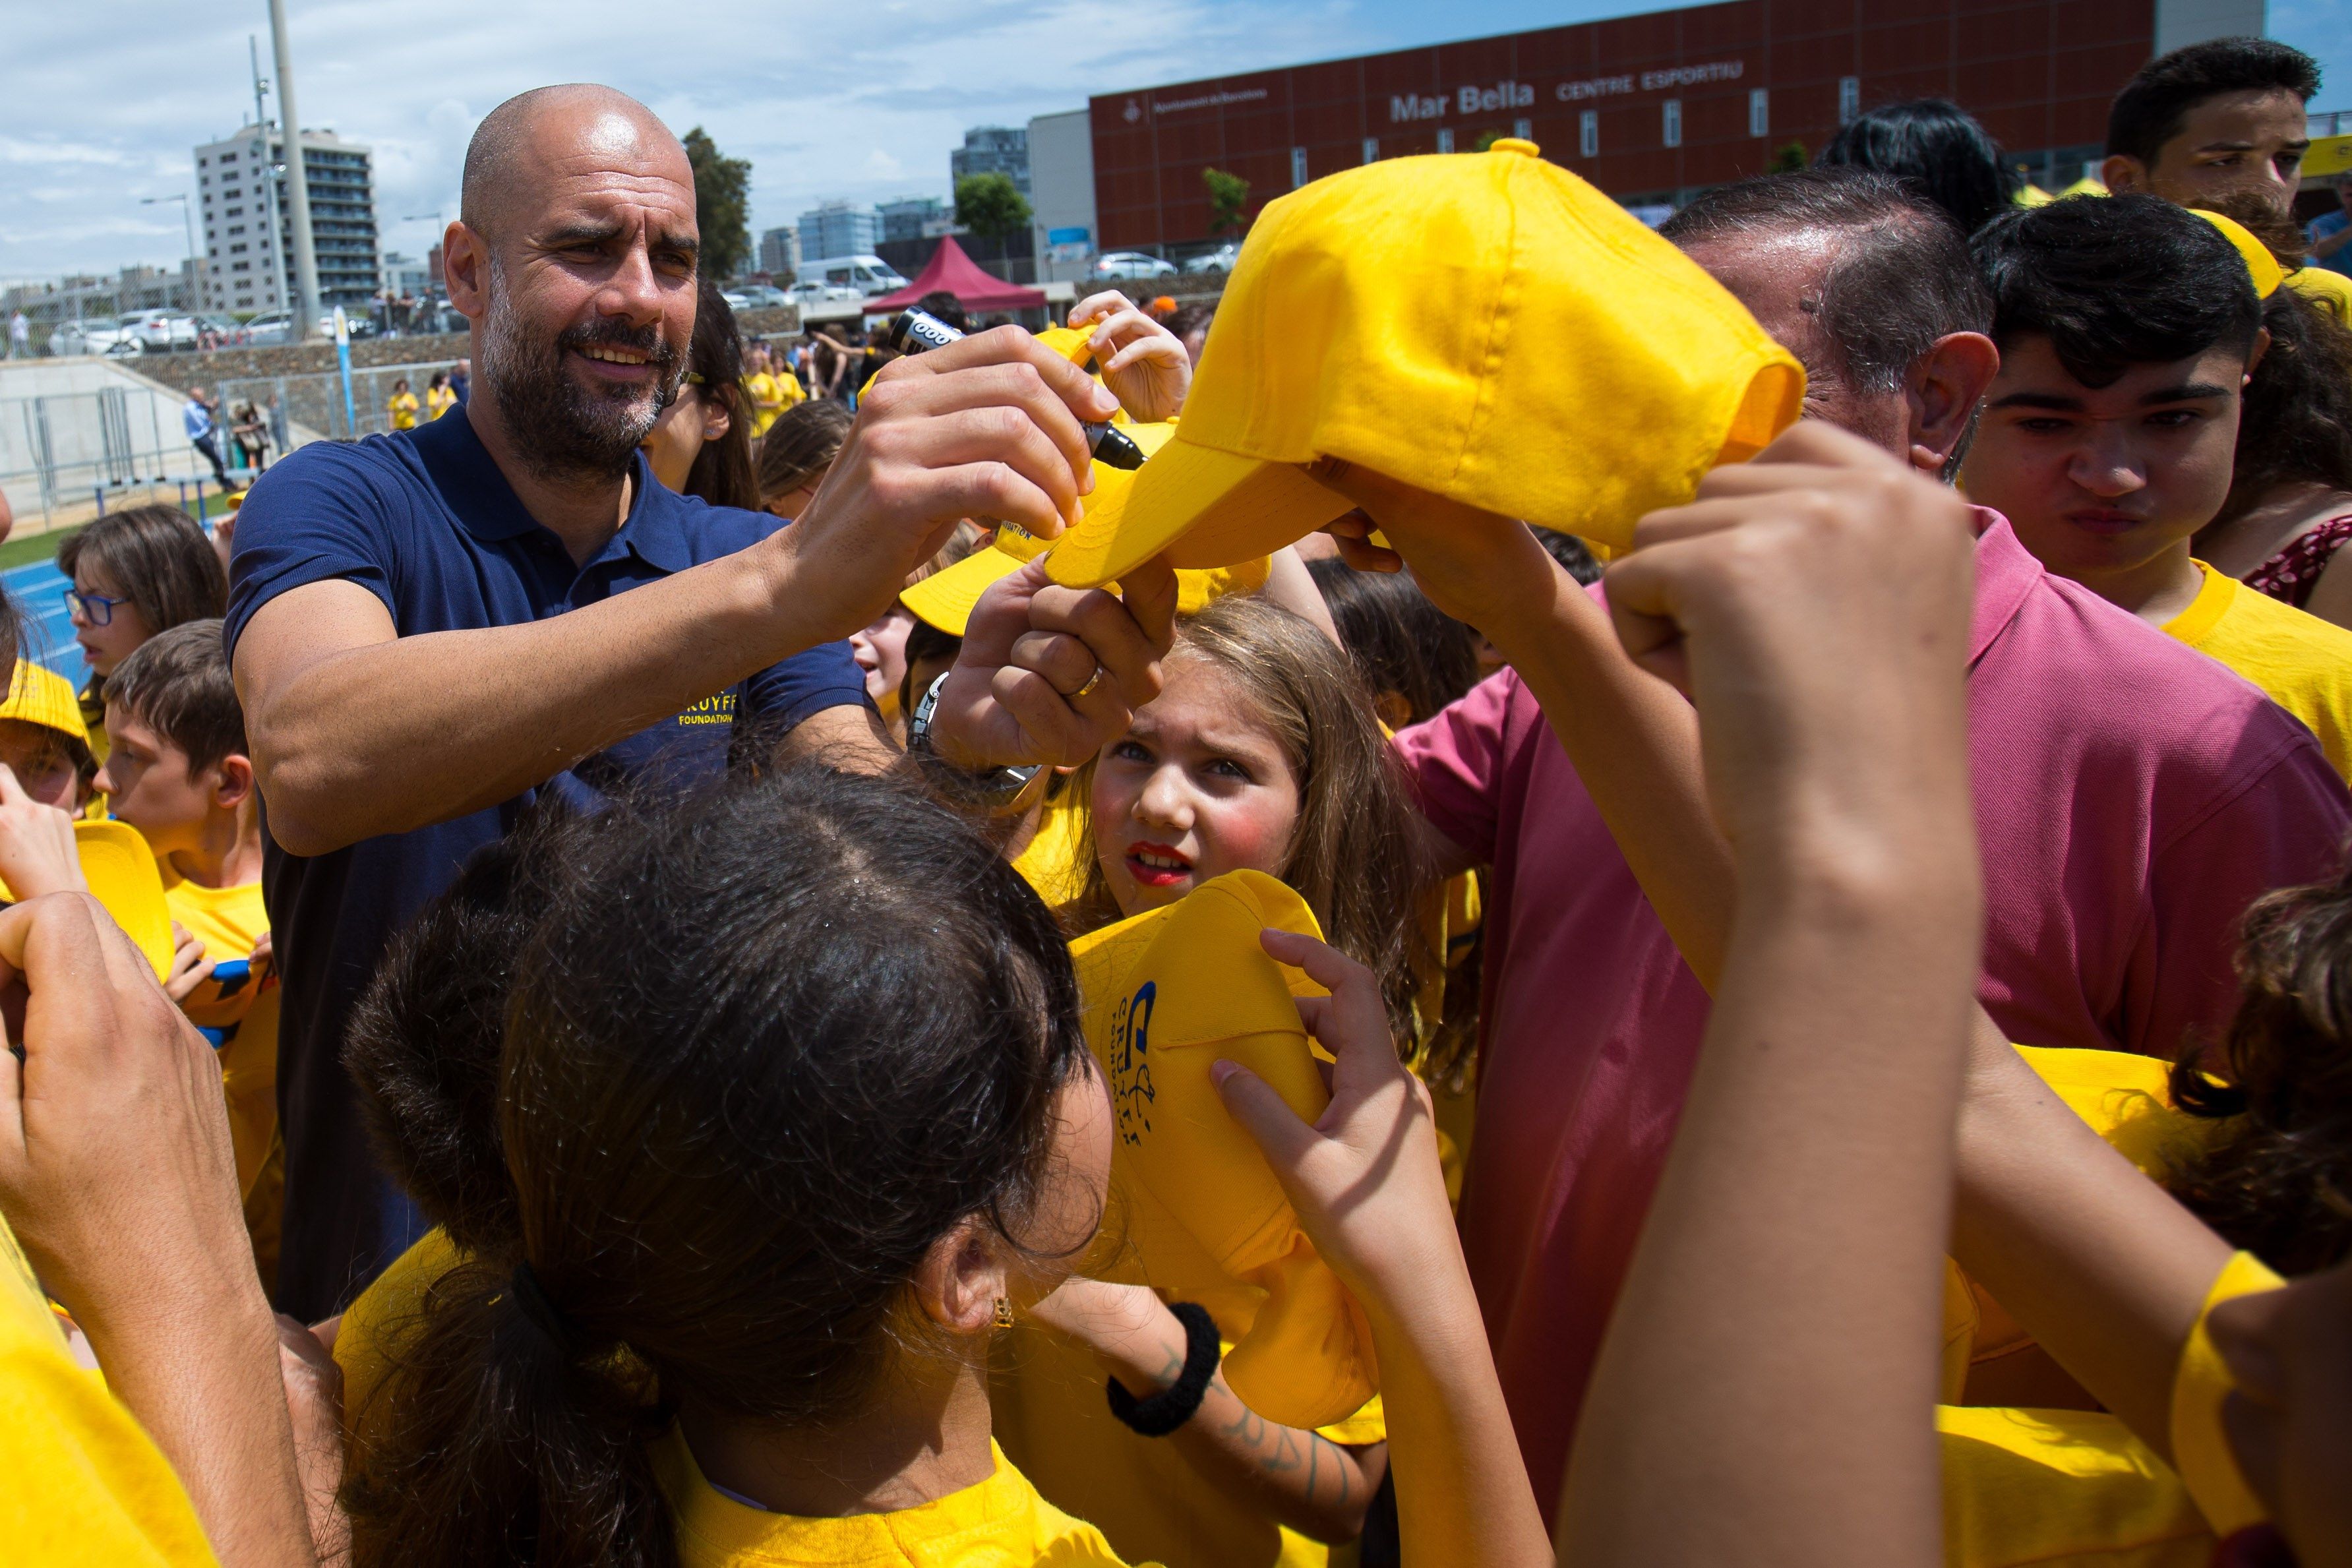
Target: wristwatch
{"x": 1002, "y": 791}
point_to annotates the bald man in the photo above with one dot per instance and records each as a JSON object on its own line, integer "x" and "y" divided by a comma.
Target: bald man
{"x": 432, "y": 631}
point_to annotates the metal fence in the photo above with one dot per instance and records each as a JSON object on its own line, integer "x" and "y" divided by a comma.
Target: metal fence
{"x": 76, "y": 453}
{"x": 315, "y": 402}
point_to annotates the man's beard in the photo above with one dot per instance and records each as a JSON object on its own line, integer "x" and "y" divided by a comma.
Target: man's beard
{"x": 560, "y": 429}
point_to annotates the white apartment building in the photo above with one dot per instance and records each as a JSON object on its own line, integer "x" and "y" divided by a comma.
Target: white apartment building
{"x": 243, "y": 269}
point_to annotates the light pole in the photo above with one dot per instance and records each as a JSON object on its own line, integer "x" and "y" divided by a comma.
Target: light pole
{"x": 298, "y": 190}
{"x": 278, "y": 280}
{"x": 187, "y": 223}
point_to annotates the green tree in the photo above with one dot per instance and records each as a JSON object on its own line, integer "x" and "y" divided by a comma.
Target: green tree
{"x": 1486, "y": 140}
{"x": 990, "y": 205}
{"x": 722, "y": 204}
{"x": 1228, "y": 194}
{"x": 1790, "y": 159}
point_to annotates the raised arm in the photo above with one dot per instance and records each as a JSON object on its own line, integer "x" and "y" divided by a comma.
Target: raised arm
{"x": 117, "y": 1175}
{"x": 357, "y": 731}
{"x": 1820, "y": 620}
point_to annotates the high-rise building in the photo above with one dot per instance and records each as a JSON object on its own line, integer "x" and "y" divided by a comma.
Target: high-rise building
{"x": 244, "y": 270}
{"x": 917, "y": 217}
{"x": 780, "y": 252}
{"x": 839, "y": 228}
{"x": 992, "y": 150}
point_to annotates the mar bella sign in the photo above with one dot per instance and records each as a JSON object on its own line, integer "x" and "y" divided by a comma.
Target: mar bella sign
{"x": 1404, "y": 108}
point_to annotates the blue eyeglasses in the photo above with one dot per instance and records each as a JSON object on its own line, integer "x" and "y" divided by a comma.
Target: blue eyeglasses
{"x": 95, "y": 608}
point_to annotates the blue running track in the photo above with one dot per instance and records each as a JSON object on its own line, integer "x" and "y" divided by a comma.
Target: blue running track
{"x": 39, "y": 591}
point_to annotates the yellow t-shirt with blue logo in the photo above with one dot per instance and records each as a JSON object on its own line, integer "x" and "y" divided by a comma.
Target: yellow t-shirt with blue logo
{"x": 81, "y": 1481}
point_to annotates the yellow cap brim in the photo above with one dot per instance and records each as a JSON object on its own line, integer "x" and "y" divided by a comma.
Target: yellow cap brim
{"x": 1200, "y": 507}
{"x": 120, "y": 871}
{"x": 945, "y": 598}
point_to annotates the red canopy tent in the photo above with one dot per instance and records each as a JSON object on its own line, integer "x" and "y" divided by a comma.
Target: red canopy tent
{"x": 959, "y": 275}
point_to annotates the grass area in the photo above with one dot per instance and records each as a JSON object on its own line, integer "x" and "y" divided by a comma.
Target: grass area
{"x": 23, "y": 548}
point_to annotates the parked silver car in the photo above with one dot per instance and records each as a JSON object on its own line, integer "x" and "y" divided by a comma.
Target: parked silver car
{"x": 1132, "y": 264}
{"x": 1221, "y": 259}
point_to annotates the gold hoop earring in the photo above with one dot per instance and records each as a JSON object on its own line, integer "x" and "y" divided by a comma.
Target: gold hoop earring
{"x": 1003, "y": 1313}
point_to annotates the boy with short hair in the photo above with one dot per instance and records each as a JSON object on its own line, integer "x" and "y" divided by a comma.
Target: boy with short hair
{"x": 2128, "y": 331}
{"x": 178, "y": 770}
{"x": 2220, "y": 120}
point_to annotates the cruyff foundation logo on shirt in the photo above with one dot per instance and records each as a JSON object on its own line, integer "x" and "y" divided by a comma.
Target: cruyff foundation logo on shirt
{"x": 718, "y": 709}
{"x": 1130, "y": 1067}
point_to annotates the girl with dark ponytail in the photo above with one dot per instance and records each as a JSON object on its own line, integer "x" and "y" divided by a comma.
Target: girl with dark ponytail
{"x": 793, "y": 1112}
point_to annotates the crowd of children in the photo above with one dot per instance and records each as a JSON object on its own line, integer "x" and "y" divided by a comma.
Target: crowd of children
{"x": 1300, "y": 1019}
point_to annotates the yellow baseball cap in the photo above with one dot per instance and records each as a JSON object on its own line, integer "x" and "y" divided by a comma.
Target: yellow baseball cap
{"x": 121, "y": 870}
{"x": 41, "y": 696}
{"x": 1168, "y": 994}
{"x": 2261, "y": 265}
{"x": 945, "y": 598}
{"x": 121, "y": 874}
{"x": 1486, "y": 326}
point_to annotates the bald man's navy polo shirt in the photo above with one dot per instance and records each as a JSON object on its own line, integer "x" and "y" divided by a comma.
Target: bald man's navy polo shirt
{"x": 424, "y": 520}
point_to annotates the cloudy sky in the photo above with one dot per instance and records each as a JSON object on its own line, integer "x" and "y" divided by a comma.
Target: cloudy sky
{"x": 860, "y": 100}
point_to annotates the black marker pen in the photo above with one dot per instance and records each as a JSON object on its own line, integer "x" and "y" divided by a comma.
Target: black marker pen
{"x": 914, "y": 332}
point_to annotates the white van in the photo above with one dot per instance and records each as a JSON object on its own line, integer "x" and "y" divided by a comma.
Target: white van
{"x": 868, "y": 275}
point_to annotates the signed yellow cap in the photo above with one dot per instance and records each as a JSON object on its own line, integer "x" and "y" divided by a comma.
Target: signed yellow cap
{"x": 1168, "y": 994}
{"x": 1486, "y": 326}
{"x": 945, "y": 598}
{"x": 43, "y": 697}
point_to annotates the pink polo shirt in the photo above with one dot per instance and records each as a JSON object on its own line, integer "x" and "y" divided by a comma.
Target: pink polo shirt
{"x": 2132, "y": 799}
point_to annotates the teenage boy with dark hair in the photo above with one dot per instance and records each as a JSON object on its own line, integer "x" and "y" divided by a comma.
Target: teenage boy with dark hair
{"x": 2128, "y": 331}
{"x": 178, "y": 770}
{"x": 2221, "y": 116}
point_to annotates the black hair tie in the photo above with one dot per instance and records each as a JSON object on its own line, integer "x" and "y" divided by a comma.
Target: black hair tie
{"x": 1165, "y": 1411}
{"x": 544, "y": 1314}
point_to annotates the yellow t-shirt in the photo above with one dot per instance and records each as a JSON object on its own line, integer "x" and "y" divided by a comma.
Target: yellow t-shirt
{"x": 771, "y": 396}
{"x": 2061, "y": 1488}
{"x": 84, "y": 1483}
{"x": 1000, "y": 1523}
{"x": 2303, "y": 663}
{"x": 2066, "y": 1487}
{"x": 438, "y": 400}
{"x": 404, "y": 410}
{"x": 1046, "y": 1393}
{"x": 229, "y": 921}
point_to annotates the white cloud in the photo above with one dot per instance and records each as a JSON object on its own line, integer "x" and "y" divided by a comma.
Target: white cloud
{"x": 821, "y": 99}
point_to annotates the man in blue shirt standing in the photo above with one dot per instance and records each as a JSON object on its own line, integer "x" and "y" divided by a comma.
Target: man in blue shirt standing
{"x": 432, "y": 631}
{"x": 196, "y": 418}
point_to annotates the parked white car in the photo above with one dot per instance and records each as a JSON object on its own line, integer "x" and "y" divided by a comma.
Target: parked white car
{"x": 94, "y": 335}
{"x": 161, "y": 331}
{"x": 1221, "y": 259}
{"x": 816, "y": 291}
{"x": 1132, "y": 264}
{"x": 757, "y": 297}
